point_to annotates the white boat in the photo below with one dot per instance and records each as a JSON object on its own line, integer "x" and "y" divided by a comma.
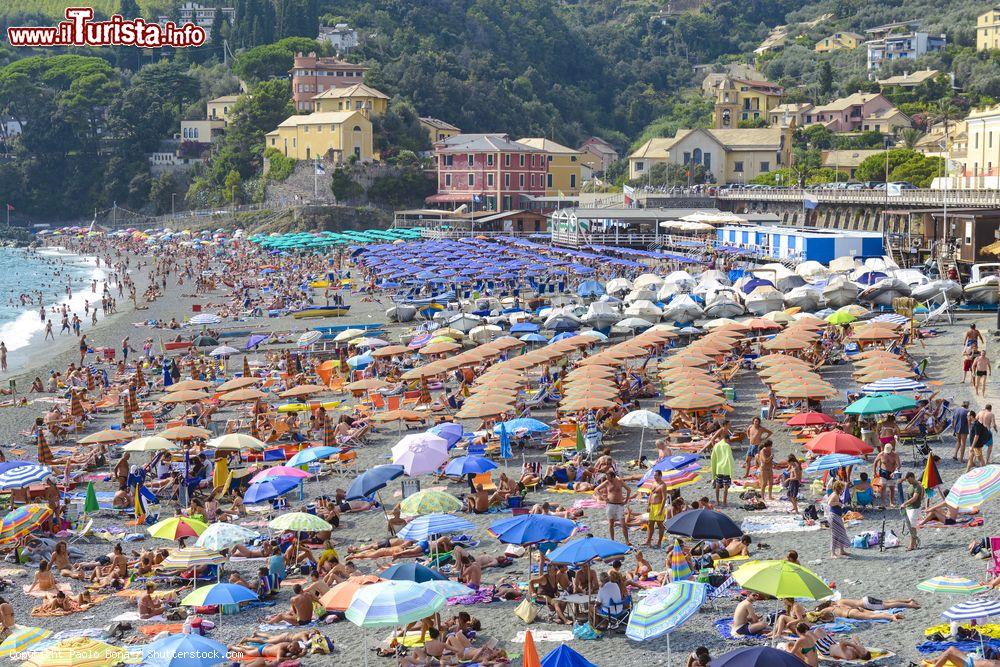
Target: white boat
{"x": 647, "y": 310}
{"x": 812, "y": 270}
{"x": 983, "y": 284}
{"x": 884, "y": 291}
{"x": 682, "y": 279}
{"x": 780, "y": 275}
{"x": 840, "y": 291}
{"x": 640, "y": 294}
{"x": 911, "y": 277}
{"x": 714, "y": 275}
{"x": 683, "y": 309}
{"x": 932, "y": 291}
{"x": 618, "y": 286}
{"x": 764, "y": 299}
{"x": 464, "y": 322}
{"x": 647, "y": 281}
{"x": 806, "y": 297}
{"x": 601, "y": 315}
{"x": 402, "y": 312}
{"x": 723, "y": 302}
{"x": 668, "y": 291}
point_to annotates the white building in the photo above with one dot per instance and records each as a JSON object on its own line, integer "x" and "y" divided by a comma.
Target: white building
{"x": 200, "y": 15}
{"x": 341, "y": 36}
{"x": 899, "y": 41}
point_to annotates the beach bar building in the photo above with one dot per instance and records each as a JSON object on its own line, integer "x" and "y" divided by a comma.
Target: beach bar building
{"x": 821, "y": 245}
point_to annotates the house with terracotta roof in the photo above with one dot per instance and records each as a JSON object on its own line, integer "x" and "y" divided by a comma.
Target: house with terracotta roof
{"x": 730, "y": 155}
{"x": 848, "y": 114}
{"x": 564, "y": 166}
{"x": 487, "y": 172}
{"x": 356, "y": 97}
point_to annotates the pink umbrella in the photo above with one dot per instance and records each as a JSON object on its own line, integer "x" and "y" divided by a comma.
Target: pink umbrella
{"x": 420, "y": 453}
{"x": 280, "y": 471}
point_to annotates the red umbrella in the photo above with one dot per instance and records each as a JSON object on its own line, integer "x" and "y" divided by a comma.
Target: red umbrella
{"x": 838, "y": 442}
{"x": 811, "y": 419}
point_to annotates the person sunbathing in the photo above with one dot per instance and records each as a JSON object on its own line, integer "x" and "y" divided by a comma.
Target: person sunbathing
{"x": 827, "y": 611}
{"x": 432, "y": 650}
{"x": 462, "y": 648}
{"x": 746, "y": 621}
{"x": 721, "y": 549}
{"x": 243, "y": 551}
{"x": 392, "y": 549}
{"x": 44, "y": 580}
{"x": 279, "y": 651}
{"x": 339, "y": 572}
{"x": 300, "y": 610}
{"x": 941, "y": 512}
{"x": 148, "y": 605}
{"x": 953, "y": 656}
{"x": 875, "y": 604}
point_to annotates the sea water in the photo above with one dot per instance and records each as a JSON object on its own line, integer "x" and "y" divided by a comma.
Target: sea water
{"x": 49, "y": 271}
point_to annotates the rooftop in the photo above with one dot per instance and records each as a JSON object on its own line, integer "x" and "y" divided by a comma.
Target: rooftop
{"x": 356, "y": 90}
{"x": 846, "y": 158}
{"x": 438, "y": 124}
{"x": 482, "y": 143}
{"x": 320, "y": 118}
{"x": 547, "y": 145}
{"x": 224, "y": 99}
{"x": 845, "y": 103}
{"x": 911, "y": 79}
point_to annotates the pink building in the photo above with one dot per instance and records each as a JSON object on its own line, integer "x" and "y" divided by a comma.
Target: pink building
{"x": 312, "y": 75}
{"x": 848, "y": 114}
{"x": 487, "y": 172}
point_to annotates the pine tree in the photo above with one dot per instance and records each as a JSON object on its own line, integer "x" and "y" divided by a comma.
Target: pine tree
{"x": 129, "y": 9}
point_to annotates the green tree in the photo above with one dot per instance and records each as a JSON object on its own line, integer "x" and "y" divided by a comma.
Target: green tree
{"x": 272, "y": 60}
{"x": 169, "y": 81}
{"x": 399, "y": 129}
{"x": 909, "y": 136}
{"x": 253, "y": 23}
{"x": 902, "y": 164}
{"x": 164, "y": 193}
{"x": 233, "y": 186}
{"x": 751, "y": 123}
{"x": 129, "y": 9}
{"x": 344, "y": 187}
{"x": 825, "y": 78}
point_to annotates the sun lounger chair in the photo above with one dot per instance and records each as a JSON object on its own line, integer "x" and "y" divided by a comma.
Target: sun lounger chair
{"x": 486, "y": 479}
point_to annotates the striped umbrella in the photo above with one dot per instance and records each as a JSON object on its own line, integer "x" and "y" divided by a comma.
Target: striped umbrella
{"x": 44, "y": 451}
{"x": 76, "y": 403}
{"x": 429, "y": 501}
{"x": 133, "y": 398}
{"x": 127, "y": 418}
{"x": 182, "y": 559}
{"x": 970, "y": 609}
{"x": 177, "y": 527}
{"x": 78, "y": 652}
{"x": 21, "y": 476}
{"x": 427, "y": 525}
{"x": 951, "y": 584}
{"x": 665, "y": 609}
{"x": 300, "y": 522}
{"x": 893, "y": 384}
{"x": 975, "y": 487}
{"x": 892, "y": 318}
{"x": 680, "y": 569}
{"x": 390, "y": 603}
{"x": 833, "y": 462}
{"x": 218, "y": 594}
{"x": 23, "y": 520}
{"x": 448, "y": 588}
{"x": 221, "y": 535}
{"x": 23, "y": 638}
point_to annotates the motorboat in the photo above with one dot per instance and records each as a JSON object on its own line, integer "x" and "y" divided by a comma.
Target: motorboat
{"x": 649, "y": 281}
{"x": 601, "y": 315}
{"x": 884, "y": 291}
{"x": 647, "y": 310}
{"x": 683, "y": 309}
{"x": 402, "y": 312}
{"x": 618, "y": 286}
{"x": 464, "y": 322}
{"x": 640, "y": 294}
{"x": 911, "y": 277}
{"x": 839, "y": 291}
{"x": 781, "y": 276}
{"x": 669, "y": 291}
{"x": 933, "y": 290}
{"x": 812, "y": 270}
{"x": 682, "y": 279}
{"x": 723, "y": 302}
{"x": 805, "y": 297}
{"x": 983, "y": 284}
{"x": 764, "y": 299}
{"x": 750, "y": 282}
{"x": 320, "y": 311}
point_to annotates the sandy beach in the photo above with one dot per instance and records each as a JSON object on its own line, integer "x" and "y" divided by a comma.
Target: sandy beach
{"x": 883, "y": 574}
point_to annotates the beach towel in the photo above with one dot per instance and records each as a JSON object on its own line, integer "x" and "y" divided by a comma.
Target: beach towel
{"x": 732, "y": 559}
{"x": 761, "y": 524}
{"x": 135, "y": 594}
{"x": 154, "y": 629}
{"x": 483, "y": 596}
{"x": 962, "y": 522}
{"x": 553, "y": 636}
{"x": 964, "y": 646}
{"x": 589, "y": 504}
{"x": 879, "y": 657}
{"x": 39, "y": 612}
{"x": 63, "y": 586}
{"x": 991, "y": 630}
{"x": 724, "y": 626}
{"x": 133, "y": 617}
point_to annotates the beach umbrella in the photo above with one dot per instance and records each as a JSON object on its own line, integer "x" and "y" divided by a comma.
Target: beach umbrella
{"x": 428, "y": 525}
{"x": 90, "y": 504}
{"x": 893, "y": 384}
{"x": 185, "y": 432}
{"x": 299, "y": 522}
{"x": 204, "y": 341}
{"x": 177, "y": 527}
{"x": 218, "y": 594}
{"x": 184, "y": 650}
{"x": 235, "y": 442}
{"x": 680, "y": 569}
{"x": 185, "y": 396}
{"x": 204, "y": 318}
{"x": 303, "y": 390}
{"x": 878, "y": 404}
{"x": 411, "y": 571}
{"x": 280, "y": 471}
{"x": 781, "y": 579}
{"x": 22, "y": 475}
{"x": 564, "y": 656}
{"x": 643, "y": 419}
{"x": 311, "y": 454}
{"x": 360, "y": 361}
{"x": 449, "y": 431}
{"x": 696, "y": 401}
{"x": 757, "y": 656}
{"x": 524, "y": 424}
{"x": 587, "y": 549}
{"x": 670, "y": 463}
{"x": 702, "y": 524}
{"x": 838, "y": 442}
{"x": 664, "y": 609}
{"x": 430, "y": 501}
{"x": 269, "y": 489}
{"x": 833, "y": 462}
{"x": 841, "y": 318}
{"x": 531, "y": 529}
{"x": 149, "y": 443}
{"x": 22, "y": 638}
{"x": 420, "y": 453}
{"x": 811, "y": 419}
{"x": 372, "y": 480}
{"x": 106, "y": 436}
{"x": 221, "y": 535}
{"x": 224, "y": 351}
{"x": 308, "y": 338}
{"x": 188, "y": 557}
{"x": 22, "y": 520}
{"x": 245, "y": 395}
{"x": 972, "y": 609}
{"x": 951, "y": 584}
{"x": 468, "y": 465}
{"x": 237, "y": 383}
{"x": 448, "y": 588}
{"x": 339, "y": 597}
{"x": 975, "y": 487}
{"x": 391, "y": 603}
{"x": 78, "y": 652}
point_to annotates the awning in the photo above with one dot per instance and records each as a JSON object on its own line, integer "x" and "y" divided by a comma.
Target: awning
{"x": 453, "y": 197}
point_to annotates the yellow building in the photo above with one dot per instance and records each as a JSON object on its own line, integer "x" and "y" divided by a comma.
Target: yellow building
{"x": 438, "y": 130}
{"x": 331, "y": 135}
{"x": 358, "y": 97}
{"x": 730, "y": 156}
{"x": 739, "y": 100}
{"x": 565, "y": 166}
{"x": 988, "y": 30}
{"x": 221, "y": 107}
{"x": 982, "y": 151}
{"x": 840, "y": 40}
{"x": 202, "y": 131}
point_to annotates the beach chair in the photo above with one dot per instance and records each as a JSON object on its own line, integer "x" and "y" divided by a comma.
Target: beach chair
{"x": 486, "y": 479}
{"x": 616, "y": 614}
{"x": 394, "y": 402}
{"x": 939, "y": 313}
{"x": 147, "y": 420}
{"x": 864, "y": 498}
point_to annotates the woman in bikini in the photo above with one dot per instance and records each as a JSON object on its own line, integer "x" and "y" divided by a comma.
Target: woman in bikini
{"x": 44, "y": 580}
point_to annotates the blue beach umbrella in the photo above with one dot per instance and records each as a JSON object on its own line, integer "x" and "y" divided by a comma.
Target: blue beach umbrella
{"x": 370, "y": 481}
{"x": 525, "y": 424}
{"x": 270, "y": 488}
{"x": 703, "y": 524}
{"x": 469, "y": 465}
{"x": 361, "y": 361}
{"x": 587, "y": 549}
{"x": 505, "y": 448}
{"x": 427, "y": 525}
{"x": 524, "y": 327}
{"x": 970, "y": 609}
{"x": 756, "y": 656}
{"x": 664, "y": 609}
{"x": 311, "y": 454}
{"x": 533, "y": 338}
{"x": 450, "y": 432}
{"x": 590, "y": 288}
{"x": 564, "y": 656}
{"x": 411, "y": 571}
{"x": 18, "y": 477}
{"x": 532, "y": 529}
{"x": 184, "y": 650}
{"x": 893, "y": 385}
{"x": 833, "y": 462}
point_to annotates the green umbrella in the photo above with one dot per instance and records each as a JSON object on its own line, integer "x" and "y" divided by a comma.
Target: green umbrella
{"x": 781, "y": 579}
{"x": 581, "y": 444}
{"x": 840, "y": 318}
{"x": 90, "y": 504}
{"x": 878, "y": 404}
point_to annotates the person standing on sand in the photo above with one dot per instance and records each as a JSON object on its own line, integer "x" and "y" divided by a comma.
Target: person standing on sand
{"x": 911, "y": 508}
{"x": 972, "y": 336}
{"x": 617, "y": 496}
{"x": 979, "y": 437}
{"x": 3, "y": 356}
{"x": 980, "y": 371}
{"x": 656, "y": 507}
{"x": 989, "y": 420}
{"x": 83, "y": 349}
{"x": 48, "y": 331}
{"x": 960, "y": 431}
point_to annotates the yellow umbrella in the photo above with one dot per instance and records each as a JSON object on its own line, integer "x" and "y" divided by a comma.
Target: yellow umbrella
{"x": 78, "y": 652}
{"x": 242, "y": 395}
{"x": 696, "y": 401}
{"x": 303, "y": 390}
{"x": 107, "y": 435}
{"x": 185, "y": 433}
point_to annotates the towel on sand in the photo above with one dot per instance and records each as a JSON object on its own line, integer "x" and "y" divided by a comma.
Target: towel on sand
{"x": 133, "y": 616}
{"x": 63, "y": 586}
{"x": 724, "y": 626}
{"x": 991, "y": 630}
{"x": 154, "y": 629}
{"x": 759, "y": 524}
{"x": 41, "y": 612}
{"x": 544, "y": 636}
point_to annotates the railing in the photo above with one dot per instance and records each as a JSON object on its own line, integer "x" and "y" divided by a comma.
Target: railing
{"x": 466, "y": 233}
{"x": 878, "y": 197}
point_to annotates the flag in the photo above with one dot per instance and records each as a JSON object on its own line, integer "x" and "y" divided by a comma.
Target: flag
{"x": 90, "y": 504}
{"x": 629, "y": 193}
{"x": 140, "y": 510}
{"x": 809, "y": 201}
{"x": 320, "y": 169}
{"x": 581, "y": 444}
{"x": 931, "y": 477}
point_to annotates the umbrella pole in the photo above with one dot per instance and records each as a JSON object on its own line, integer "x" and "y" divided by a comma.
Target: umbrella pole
{"x": 378, "y": 495}
{"x": 668, "y": 649}
{"x": 642, "y": 436}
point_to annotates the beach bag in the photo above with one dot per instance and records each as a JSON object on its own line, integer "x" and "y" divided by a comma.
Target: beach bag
{"x": 891, "y": 540}
{"x": 585, "y": 631}
{"x": 810, "y": 513}
{"x": 526, "y": 611}
{"x": 860, "y": 541}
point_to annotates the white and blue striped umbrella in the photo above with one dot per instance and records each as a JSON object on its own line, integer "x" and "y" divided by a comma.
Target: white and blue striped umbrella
{"x": 969, "y": 609}
{"x": 665, "y": 608}
{"x": 205, "y": 318}
{"x": 22, "y": 476}
{"x": 424, "y": 526}
{"x": 893, "y": 385}
{"x": 448, "y": 588}
{"x": 892, "y": 318}
{"x": 389, "y": 603}
{"x": 833, "y": 462}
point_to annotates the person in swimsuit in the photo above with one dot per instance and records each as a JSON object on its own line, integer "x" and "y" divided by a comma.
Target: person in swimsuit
{"x": 884, "y": 466}
{"x": 953, "y": 656}
{"x": 765, "y": 469}
{"x": 756, "y": 433}
{"x": 980, "y": 372}
{"x": 746, "y": 621}
{"x": 547, "y": 587}
{"x": 794, "y": 481}
{"x": 657, "y": 509}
